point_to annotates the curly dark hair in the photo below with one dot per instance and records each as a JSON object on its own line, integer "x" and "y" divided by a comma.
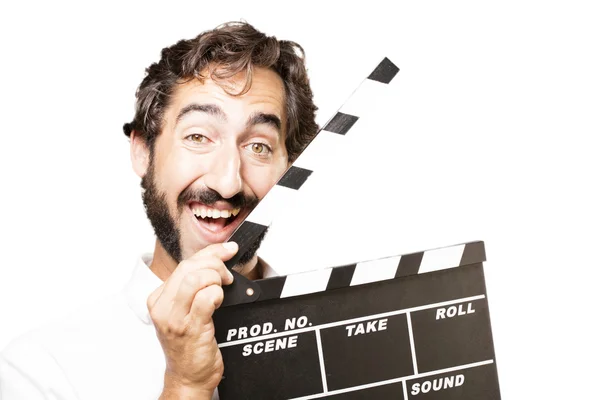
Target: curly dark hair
{"x": 231, "y": 47}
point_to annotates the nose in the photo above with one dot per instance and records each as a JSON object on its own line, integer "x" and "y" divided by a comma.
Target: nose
{"x": 224, "y": 175}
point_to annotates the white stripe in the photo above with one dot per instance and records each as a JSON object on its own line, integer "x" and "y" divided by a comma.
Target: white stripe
{"x": 304, "y": 283}
{"x": 412, "y": 343}
{"x": 278, "y": 198}
{"x": 366, "y": 99}
{"x": 395, "y": 380}
{"x": 314, "y": 157}
{"x": 452, "y": 369}
{"x": 442, "y": 258}
{"x": 321, "y": 360}
{"x": 351, "y": 321}
{"x": 375, "y": 270}
{"x": 404, "y": 390}
{"x": 318, "y": 153}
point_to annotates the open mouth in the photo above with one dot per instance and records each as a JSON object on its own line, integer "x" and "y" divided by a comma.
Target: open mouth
{"x": 214, "y": 219}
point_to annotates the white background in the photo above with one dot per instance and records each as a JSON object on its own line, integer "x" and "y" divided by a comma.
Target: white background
{"x": 490, "y": 133}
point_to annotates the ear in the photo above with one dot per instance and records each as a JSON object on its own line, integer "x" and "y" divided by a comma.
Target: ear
{"x": 140, "y": 154}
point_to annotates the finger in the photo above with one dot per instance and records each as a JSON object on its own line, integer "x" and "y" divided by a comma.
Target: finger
{"x": 191, "y": 284}
{"x": 211, "y": 257}
{"x": 211, "y": 261}
{"x": 153, "y": 297}
{"x": 201, "y": 260}
{"x": 206, "y": 302}
{"x": 223, "y": 251}
{"x": 192, "y": 266}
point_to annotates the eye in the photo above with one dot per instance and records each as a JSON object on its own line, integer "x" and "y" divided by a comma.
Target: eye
{"x": 259, "y": 149}
{"x": 197, "y": 138}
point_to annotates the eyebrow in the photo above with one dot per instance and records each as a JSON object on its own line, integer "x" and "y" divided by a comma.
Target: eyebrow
{"x": 210, "y": 109}
{"x": 256, "y": 118}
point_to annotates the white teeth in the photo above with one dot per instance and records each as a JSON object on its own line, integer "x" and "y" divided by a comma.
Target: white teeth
{"x": 204, "y": 212}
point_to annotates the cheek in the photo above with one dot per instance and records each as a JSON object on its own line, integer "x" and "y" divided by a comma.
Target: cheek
{"x": 261, "y": 180}
{"x": 179, "y": 171}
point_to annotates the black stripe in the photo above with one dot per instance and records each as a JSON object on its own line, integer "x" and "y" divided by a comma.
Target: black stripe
{"x": 294, "y": 178}
{"x": 341, "y": 277}
{"x": 474, "y": 253}
{"x": 340, "y": 123}
{"x": 245, "y": 236}
{"x": 271, "y": 288}
{"x": 385, "y": 71}
{"x": 409, "y": 264}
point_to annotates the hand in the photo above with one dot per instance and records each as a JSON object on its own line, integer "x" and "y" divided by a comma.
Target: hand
{"x": 181, "y": 309}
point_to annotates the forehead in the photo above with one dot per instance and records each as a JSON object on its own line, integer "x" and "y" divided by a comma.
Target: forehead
{"x": 266, "y": 94}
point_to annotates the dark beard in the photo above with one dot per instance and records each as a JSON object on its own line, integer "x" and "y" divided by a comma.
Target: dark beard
{"x": 157, "y": 211}
{"x": 165, "y": 226}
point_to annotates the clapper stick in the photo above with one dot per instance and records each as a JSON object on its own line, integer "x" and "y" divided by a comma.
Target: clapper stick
{"x": 369, "y": 271}
{"x": 243, "y": 290}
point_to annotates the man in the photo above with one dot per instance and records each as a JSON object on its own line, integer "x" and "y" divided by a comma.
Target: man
{"x": 218, "y": 120}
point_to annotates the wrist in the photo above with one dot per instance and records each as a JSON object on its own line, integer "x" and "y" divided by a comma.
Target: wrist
{"x": 174, "y": 389}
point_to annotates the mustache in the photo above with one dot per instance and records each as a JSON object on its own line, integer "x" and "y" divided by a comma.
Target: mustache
{"x": 209, "y": 197}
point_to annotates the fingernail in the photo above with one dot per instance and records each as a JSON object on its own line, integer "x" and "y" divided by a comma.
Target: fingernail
{"x": 230, "y": 246}
{"x": 230, "y": 275}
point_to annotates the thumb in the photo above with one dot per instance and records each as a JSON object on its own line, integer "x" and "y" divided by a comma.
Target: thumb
{"x": 223, "y": 251}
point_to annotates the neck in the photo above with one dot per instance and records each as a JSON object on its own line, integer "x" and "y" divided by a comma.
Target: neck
{"x": 163, "y": 265}
{"x": 251, "y": 270}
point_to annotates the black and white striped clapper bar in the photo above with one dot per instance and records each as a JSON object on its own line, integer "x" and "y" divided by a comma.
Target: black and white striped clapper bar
{"x": 411, "y": 326}
{"x": 307, "y": 163}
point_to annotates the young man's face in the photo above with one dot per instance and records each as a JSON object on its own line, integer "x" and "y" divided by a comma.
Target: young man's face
{"x": 216, "y": 156}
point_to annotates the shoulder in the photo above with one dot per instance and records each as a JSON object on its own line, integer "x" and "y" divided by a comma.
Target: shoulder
{"x": 82, "y": 331}
{"x": 29, "y": 370}
{"x": 107, "y": 339}
{"x": 67, "y": 358}
{"x": 43, "y": 360}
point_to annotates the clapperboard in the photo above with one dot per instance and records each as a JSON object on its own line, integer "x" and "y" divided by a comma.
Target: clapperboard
{"x": 411, "y": 326}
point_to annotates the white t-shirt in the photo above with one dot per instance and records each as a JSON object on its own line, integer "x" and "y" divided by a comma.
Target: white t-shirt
{"x": 108, "y": 351}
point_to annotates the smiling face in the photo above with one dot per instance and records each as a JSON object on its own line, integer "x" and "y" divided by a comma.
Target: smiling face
{"x": 217, "y": 155}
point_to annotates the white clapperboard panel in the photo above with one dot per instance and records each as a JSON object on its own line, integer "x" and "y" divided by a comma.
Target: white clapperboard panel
{"x": 412, "y": 326}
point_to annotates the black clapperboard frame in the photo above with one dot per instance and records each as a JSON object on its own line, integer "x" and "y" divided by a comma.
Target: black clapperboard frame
{"x": 411, "y": 326}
